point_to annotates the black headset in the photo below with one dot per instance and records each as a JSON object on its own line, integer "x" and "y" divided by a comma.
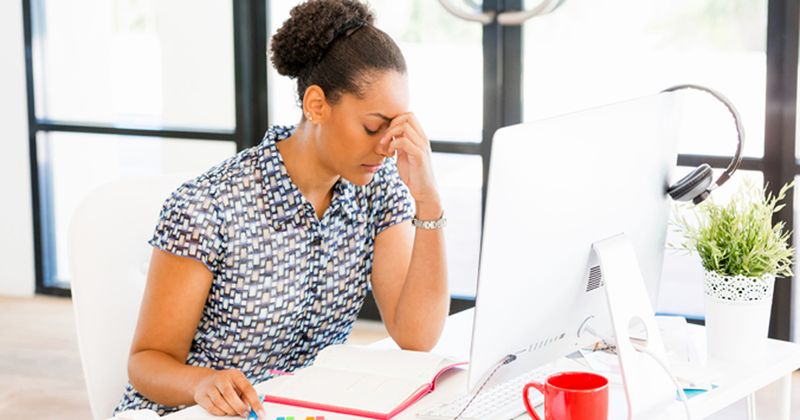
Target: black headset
{"x": 697, "y": 185}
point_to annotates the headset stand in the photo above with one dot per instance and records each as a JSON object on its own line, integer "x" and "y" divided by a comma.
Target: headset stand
{"x": 648, "y": 389}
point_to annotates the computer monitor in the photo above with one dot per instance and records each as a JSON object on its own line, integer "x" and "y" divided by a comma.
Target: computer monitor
{"x": 556, "y": 187}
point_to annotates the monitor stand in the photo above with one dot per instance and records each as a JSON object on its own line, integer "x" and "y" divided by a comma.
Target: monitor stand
{"x": 648, "y": 389}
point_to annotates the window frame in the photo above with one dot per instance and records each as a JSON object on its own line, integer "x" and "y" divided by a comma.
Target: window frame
{"x": 780, "y": 164}
{"x": 502, "y": 66}
{"x": 250, "y": 88}
{"x": 502, "y": 100}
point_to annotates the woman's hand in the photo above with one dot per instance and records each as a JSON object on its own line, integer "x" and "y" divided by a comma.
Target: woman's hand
{"x": 228, "y": 393}
{"x": 405, "y": 136}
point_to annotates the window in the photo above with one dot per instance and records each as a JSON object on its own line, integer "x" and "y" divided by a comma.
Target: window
{"x": 72, "y": 165}
{"x": 445, "y": 96}
{"x": 135, "y": 62}
{"x": 589, "y": 53}
{"x": 156, "y": 75}
{"x": 120, "y": 88}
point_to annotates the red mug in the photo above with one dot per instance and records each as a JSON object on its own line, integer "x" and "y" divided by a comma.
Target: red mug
{"x": 571, "y": 396}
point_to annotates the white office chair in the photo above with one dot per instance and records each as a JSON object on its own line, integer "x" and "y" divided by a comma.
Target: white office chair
{"x": 109, "y": 258}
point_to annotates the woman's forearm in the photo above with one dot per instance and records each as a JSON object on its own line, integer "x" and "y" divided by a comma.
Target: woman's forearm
{"x": 425, "y": 299}
{"x": 162, "y": 379}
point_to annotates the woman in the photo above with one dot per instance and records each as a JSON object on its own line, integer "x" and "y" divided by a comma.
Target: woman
{"x": 265, "y": 259}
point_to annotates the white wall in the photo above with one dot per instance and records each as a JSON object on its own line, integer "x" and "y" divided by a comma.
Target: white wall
{"x": 16, "y": 224}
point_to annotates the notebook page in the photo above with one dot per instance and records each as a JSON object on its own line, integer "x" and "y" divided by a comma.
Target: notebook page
{"x": 356, "y": 390}
{"x": 421, "y": 366}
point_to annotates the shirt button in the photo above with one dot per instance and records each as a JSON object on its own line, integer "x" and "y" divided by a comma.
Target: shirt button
{"x": 316, "y": 240}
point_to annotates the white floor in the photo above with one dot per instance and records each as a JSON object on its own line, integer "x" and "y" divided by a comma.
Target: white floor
{"x": 41, "y": 378}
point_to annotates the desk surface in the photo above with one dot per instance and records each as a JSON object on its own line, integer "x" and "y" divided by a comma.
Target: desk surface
{"x": 735, "y": 381}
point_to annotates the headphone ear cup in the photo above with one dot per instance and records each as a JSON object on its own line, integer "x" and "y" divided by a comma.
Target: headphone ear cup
{"x": 692, "y": 185}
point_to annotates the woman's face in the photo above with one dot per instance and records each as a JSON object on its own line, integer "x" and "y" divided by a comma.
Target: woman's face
{"x": 349, "y": 142}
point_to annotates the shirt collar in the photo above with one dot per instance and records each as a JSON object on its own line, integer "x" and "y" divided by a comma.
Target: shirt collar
{"x": 344, "y": 199}
{"x": 284, "y": 201}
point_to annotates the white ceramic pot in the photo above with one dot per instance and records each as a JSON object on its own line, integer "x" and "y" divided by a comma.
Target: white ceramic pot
{"x": 737, "y": 316}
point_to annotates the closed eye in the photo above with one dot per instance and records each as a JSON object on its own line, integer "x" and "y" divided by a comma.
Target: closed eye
{"x": 370, "y": 132}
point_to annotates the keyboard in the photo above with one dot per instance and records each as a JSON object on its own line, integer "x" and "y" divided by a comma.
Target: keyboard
{"x": 501, "y": 401}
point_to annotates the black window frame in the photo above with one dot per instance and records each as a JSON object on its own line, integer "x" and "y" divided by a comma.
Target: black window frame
{"x": 251, "y": 110}
{"x": 502, "y": 104}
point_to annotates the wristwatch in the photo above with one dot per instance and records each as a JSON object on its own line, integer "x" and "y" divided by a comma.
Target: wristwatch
{"x": 429, "y": 224}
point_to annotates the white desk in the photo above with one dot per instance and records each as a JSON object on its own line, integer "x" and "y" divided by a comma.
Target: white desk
{"x": 735, "y": 383}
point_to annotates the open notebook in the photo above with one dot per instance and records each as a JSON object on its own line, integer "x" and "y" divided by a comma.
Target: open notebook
{"x": 360, "y": 381}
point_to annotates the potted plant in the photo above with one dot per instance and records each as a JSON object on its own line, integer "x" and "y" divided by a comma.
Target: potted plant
{"x": 742, "y": 252}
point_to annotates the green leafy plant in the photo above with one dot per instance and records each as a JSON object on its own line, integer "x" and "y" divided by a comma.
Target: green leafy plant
{"x": 738, "y": 238}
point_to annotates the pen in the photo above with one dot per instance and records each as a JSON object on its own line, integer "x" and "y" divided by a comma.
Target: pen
{"x": 253, "y": 415}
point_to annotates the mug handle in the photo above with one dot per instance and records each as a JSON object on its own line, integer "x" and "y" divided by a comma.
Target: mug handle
{"x": 539, "y": 387}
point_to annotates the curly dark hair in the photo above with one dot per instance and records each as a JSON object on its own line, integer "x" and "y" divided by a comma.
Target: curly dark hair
{"x": 333, "y": 44}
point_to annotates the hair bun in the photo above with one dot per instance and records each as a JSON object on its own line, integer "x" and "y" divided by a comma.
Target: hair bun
{"x": 312, "y": 26}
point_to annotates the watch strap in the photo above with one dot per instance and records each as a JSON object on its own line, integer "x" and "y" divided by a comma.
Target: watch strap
{"x": 429, "y": 224}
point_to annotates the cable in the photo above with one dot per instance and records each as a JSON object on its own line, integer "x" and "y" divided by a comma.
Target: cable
{"x": 506, "y": 360}
{"x": 664, "y": 366}
{"x": 645, "y": 350}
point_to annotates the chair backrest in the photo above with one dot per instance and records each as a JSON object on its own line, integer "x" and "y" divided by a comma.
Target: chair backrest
{"x": 109, "y": 258}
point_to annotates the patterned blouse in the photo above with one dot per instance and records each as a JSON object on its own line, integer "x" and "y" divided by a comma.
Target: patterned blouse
{"x": 285, "y": 283}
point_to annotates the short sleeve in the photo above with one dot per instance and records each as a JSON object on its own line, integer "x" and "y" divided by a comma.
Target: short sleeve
{"x": 392, "y": 200}
{"x": 190, "y": 225}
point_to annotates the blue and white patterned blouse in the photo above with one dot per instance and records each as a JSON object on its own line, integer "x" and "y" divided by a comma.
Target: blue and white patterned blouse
{"x": 286, "y": 284}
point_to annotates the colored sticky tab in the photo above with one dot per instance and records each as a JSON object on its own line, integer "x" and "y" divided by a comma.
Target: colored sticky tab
{"x": 280, "y": 418}
{"x": 290, "y": 418}
{"x": 309, "y": 418}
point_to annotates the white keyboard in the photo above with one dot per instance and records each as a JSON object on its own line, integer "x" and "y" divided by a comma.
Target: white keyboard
{"x": 501, "y": 401}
